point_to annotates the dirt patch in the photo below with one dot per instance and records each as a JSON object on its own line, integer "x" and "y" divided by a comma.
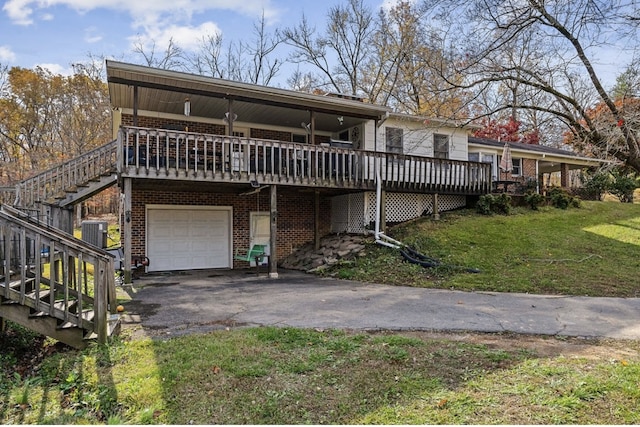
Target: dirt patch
{"x": 545, "y": 346}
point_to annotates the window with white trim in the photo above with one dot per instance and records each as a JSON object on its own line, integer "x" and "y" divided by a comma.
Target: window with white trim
{"x": 393, "y": 140}
{"x": 517, "y": 167}
{"x": 440, "y": 146}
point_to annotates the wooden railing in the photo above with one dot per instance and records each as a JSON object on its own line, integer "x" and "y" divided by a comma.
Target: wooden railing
{"x": 55, "y": 182}
{"x": 55, "y": 274}
{"x": 167, "y": 154}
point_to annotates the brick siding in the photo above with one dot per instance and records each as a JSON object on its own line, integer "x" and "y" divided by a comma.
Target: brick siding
{"x": 295, "y": 215}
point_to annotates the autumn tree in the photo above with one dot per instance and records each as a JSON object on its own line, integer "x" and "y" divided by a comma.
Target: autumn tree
{"x": 47, "y": 118}
{"x": 563, "y": 42}
{"x": 506, "y": 131}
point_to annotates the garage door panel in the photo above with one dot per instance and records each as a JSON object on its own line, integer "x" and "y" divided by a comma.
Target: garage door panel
{"x": 183, "y": 239}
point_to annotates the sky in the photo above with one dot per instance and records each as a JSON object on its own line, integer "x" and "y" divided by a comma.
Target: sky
{"x": 57, "y": 33}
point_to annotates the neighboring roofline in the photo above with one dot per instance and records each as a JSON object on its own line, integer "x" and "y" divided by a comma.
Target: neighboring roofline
{"x": 176, "y": 81}
{"x": 534, "y": 149}
{"x": 430, "y": 121}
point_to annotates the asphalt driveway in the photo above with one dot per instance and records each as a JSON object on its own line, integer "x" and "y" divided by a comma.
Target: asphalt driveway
{"x": 200, "y": 301}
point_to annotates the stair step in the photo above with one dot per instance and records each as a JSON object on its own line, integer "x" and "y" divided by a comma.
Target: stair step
{"x": 87, "y": 315}
{"x": 28, "y": 283}
{"x": 60, "y": 306}
{"x": 114, "y": 326}
{"x": 44, "y": 293}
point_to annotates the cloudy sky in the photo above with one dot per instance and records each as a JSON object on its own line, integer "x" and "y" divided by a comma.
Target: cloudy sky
{"x": 57, "y": 33}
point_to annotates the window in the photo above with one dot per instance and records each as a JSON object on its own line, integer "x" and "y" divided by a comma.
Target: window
{"x": 517, "y": 167}
{"x": 474, "y": 157}
{"x": 393, "y": 138}
{"x": 440, "y": 146}
{"x": 298, "y": 137}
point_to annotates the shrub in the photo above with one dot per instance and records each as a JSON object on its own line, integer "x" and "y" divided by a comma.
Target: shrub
{"x": 596, "y": 185}
{"x": 489, "y": 204}
{"x": 502, "y": 204}
{"x": 562, "y": 200}
{"x": 623, "y": 187}
{"x": 534, "y": 200}
{"x": 484, "y": 204}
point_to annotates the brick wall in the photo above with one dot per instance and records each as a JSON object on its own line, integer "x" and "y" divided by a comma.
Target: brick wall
{"x": 210, "y": 128}
{"x": 274, "y": 135}
{"x": 295, "y": 215}
{"x": 528, "y": 171}
{"x": 159, "y": 123}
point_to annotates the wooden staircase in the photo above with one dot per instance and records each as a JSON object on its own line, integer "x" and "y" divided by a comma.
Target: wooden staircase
{"x": 72, "y": 181}
{"x": 50, "y": 281}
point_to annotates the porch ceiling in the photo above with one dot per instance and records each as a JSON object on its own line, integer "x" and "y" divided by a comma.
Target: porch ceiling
{"x": 166, "y": 91}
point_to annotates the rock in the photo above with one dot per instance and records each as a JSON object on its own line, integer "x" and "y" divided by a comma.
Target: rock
{"x": 333, "y": 249}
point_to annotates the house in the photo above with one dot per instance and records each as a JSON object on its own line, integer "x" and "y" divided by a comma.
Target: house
{"x": 538, "y": 166}
{"x": 207, "y": 168}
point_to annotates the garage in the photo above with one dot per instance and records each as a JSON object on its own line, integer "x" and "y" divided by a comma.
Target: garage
{"x": 188, "y": 237}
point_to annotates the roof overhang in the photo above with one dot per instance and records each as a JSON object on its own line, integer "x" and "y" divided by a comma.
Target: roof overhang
{"x": 166, "y": 91}
{"x": 435, "y": 122}
{"x": 549, "y": 158}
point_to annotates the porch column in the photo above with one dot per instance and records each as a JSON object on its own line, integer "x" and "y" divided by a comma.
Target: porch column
{"x": 230, "y": 117}
{"x": 135, "y": 105}
{"x": 273, "y": 251}
{"x": 316, "y": 225}
{"x": 312, "y": 126}
{"x": 564, "y": 175}
{"x": 127, "y": 230}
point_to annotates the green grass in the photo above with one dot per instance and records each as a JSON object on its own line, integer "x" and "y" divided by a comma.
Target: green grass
{"x": 292, "y": 376}
{"x": 587, "y": 251}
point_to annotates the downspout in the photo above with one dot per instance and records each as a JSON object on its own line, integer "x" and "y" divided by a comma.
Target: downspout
{"x": 380, "y": 237}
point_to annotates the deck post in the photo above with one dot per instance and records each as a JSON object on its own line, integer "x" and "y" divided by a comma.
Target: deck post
{"x": 383, "y": 211}
{"x": 127, "y": 230}
{"x": 316, "y": 225}
{"x": 273, "y": 252}
{"x": 436, "y": 208}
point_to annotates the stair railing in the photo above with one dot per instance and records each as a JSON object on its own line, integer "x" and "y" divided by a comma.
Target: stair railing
{"x": 56, "y": 274}
{"x": 53, "y": 182}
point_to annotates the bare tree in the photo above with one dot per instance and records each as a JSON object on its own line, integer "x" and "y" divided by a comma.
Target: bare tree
{"x": 171, "y": 57}
{"x": 337, "y": 54}
{"x": 564, "y": 39}
{"x": 253, "y": 61}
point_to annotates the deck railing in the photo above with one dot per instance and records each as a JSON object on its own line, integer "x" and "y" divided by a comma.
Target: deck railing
{"x": 168, "y": 154}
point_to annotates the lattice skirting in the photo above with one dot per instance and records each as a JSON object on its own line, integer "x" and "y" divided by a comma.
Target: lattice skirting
{"x": 356, "y": 213}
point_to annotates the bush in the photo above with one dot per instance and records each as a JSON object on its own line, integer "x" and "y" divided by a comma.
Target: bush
{"x": 534, "y": 200}
{"x": 489, "y": 204}
{"x": 596, "y": 185}
{"x": 623, "y": 187}
{"x": 562, "y": 200}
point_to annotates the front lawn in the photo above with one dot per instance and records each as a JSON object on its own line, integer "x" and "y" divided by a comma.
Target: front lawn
{"x": 592, "y": 250}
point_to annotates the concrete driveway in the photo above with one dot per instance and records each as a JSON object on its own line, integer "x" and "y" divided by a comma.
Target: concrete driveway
{"x": 200, "y": 301}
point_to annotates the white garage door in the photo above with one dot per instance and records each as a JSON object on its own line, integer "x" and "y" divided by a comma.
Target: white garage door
{"x": 186, "y": 238}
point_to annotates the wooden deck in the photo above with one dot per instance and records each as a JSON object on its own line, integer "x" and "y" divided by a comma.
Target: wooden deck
{"x": 173, "y": 155}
